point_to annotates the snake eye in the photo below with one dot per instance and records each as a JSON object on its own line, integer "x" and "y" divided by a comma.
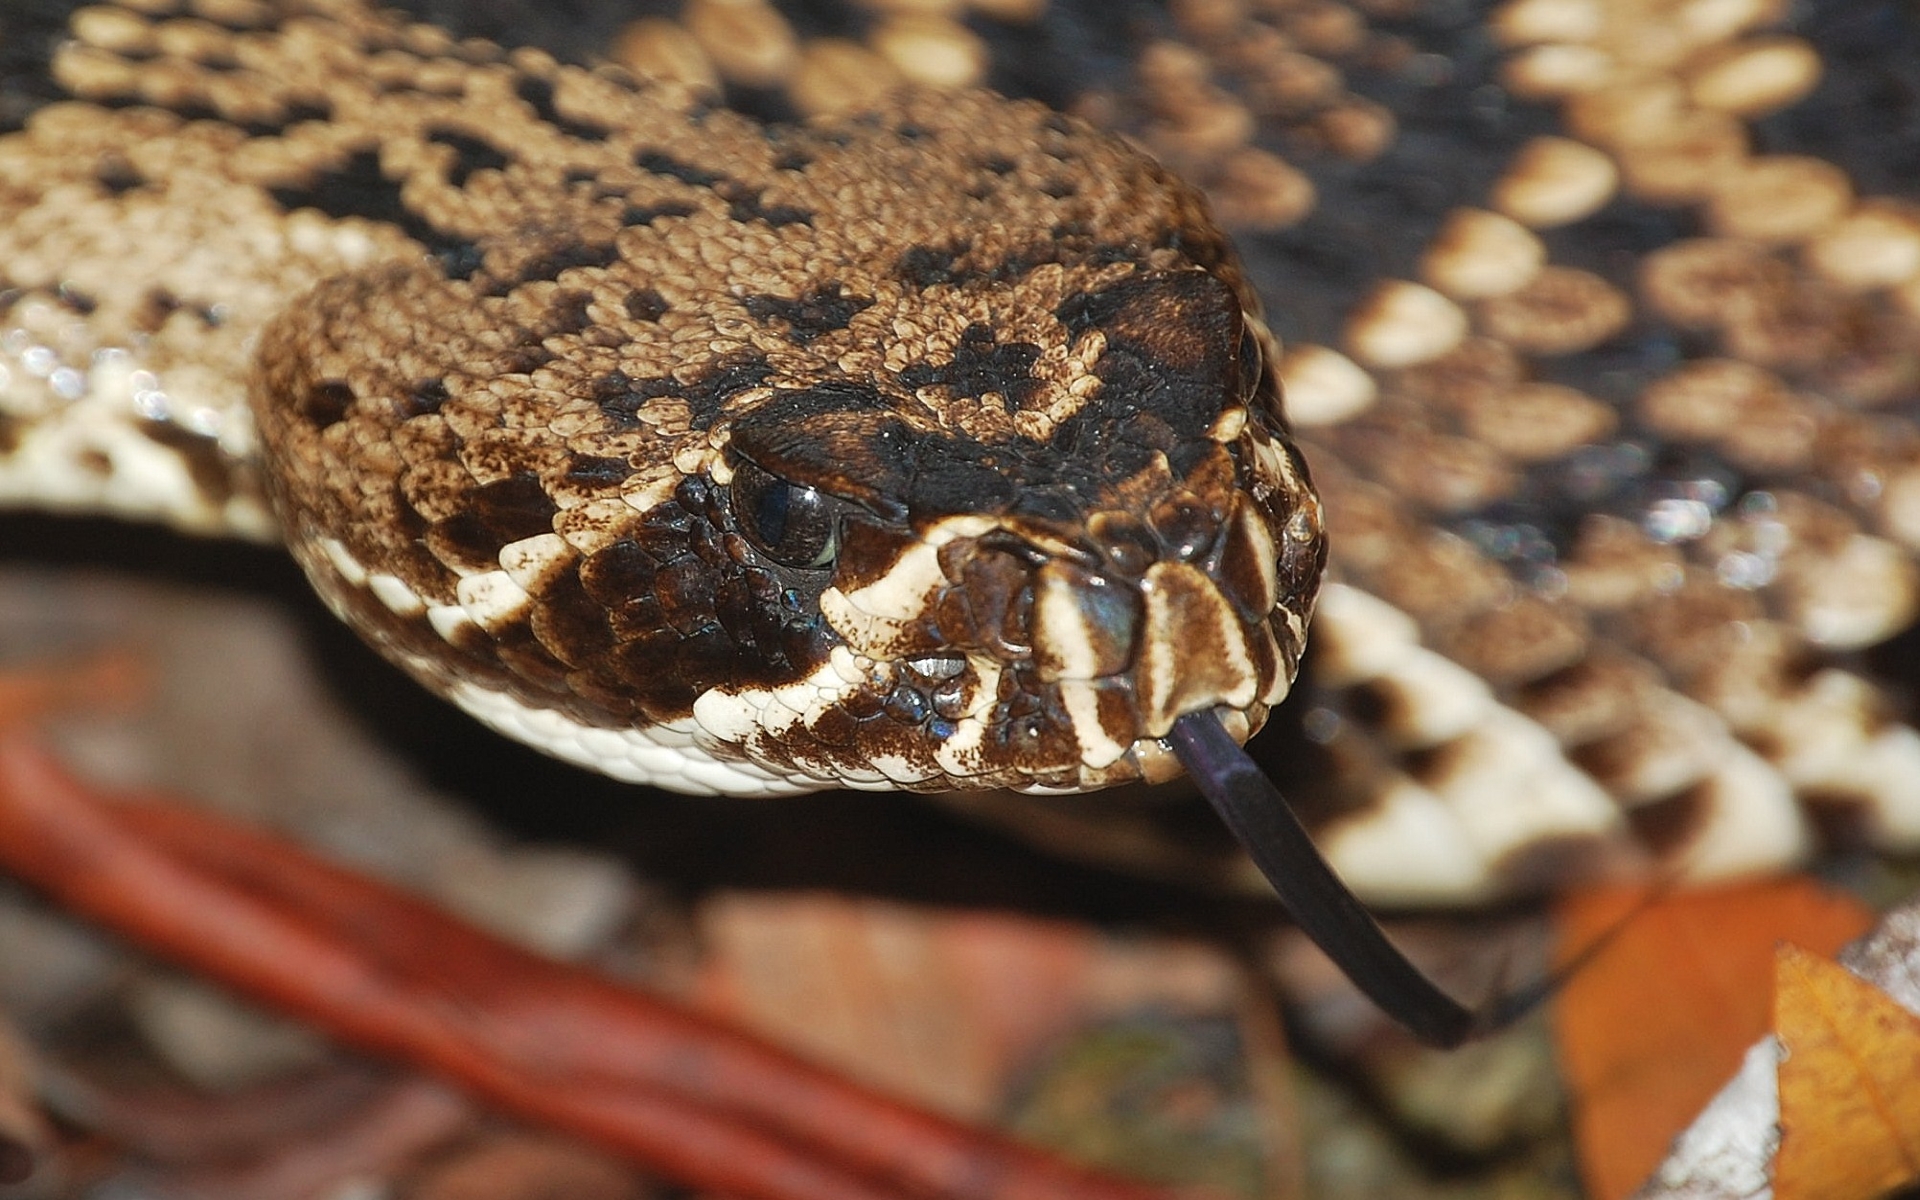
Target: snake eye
{"x": 793, "y": 525}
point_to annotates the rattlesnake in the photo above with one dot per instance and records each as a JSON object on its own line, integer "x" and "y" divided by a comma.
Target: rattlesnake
{"x": 620, "y": 430}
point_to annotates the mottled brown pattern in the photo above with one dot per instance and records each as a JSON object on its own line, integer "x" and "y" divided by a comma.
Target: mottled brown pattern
{"x": 545, "y": 448}
{"x": 1606, "y": 378}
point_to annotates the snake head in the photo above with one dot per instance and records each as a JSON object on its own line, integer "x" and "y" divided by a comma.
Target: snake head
{"x": 1031, "y": 598}
{"x": 937, "y": 448}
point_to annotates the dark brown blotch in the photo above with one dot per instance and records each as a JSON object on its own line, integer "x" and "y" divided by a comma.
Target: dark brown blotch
{"x": 842, "y": 438}
{"x": 326, "y": 402}
{"x": 424, "y": 397}
{"x": 594, "y": 471}
{"x": 645, "y": 304}
{"x": 705, "y": 658}
{"x": 647, "y": 214}
{"x": 748, "y": 206}
{"x": 494, "y": 515}
{"x": 924, "y": 267}
{"x": 159, "y": 304}
{"x": 1187, "y": 321}
{"x": 208, "y": 464}
{"x": 528, "y": 659}
{"x": 571, "y": 624}
{"x": 980, "y": 366}
{"x": 641, "y": 669}
{"x": 621, "y": 397}
{"x": 514, "y": 508}
{"x": 1243, "y": 578}
{"x": 471, "y": 154}
{"x": 823, "y": 310}
{"x": 117, "y": 176}
{"x": 566, "y": 313}
{"x": 868, "y": 550}
{"x": 537, "y": 93}
{"x": 685, "y": 588}
{"x": 549, "y": 262}
{"x": 654, "y": 162}
{"x": 1667, "y": 827}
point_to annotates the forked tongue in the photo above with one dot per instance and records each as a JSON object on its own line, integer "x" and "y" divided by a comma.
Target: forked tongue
{"x": 1319, "y": 903}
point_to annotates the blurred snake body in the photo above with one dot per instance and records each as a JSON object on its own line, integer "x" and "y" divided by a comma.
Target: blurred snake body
{"x": 941, "y": 446}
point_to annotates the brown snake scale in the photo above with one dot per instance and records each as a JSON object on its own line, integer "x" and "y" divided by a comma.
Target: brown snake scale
{"x": 939, "y": 445}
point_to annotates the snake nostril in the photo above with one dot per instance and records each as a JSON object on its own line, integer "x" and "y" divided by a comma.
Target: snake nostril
{"x": 1124, "y": 543}
{"x": 1187, "y": 527}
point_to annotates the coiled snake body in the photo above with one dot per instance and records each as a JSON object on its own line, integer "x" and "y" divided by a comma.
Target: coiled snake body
{"x": 940, "y": 446}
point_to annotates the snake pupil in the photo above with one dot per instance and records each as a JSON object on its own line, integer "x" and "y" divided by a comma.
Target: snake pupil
{"x": 793, "y": 525}
{"x": 770, "y": 512}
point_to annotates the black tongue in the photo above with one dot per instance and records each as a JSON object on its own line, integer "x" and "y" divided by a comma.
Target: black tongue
{"x": 1314, "y": 896}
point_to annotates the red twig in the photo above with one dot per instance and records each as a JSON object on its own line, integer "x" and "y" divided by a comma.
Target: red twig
{"x": 379, "y": 969}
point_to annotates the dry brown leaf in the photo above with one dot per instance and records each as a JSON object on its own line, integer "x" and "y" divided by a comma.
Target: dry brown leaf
{"x": 1081, "y": 1041}
{"x": 1849, "y": 1083}
{"x": 943, "y": 1007}
{"x": 1651, "y": 1029}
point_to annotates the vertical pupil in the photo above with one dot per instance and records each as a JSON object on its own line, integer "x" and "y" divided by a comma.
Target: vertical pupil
{"x": 770, "y": 511}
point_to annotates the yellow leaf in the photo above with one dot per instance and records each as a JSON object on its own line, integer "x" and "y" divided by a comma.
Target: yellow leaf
{"x": 1849, "y": 1083}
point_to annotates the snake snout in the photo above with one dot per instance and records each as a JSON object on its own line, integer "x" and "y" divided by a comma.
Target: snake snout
{"x": 1132, "y": 650}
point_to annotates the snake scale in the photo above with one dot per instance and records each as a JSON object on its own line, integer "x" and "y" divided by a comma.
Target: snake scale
{"x": 936, "y": 441}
